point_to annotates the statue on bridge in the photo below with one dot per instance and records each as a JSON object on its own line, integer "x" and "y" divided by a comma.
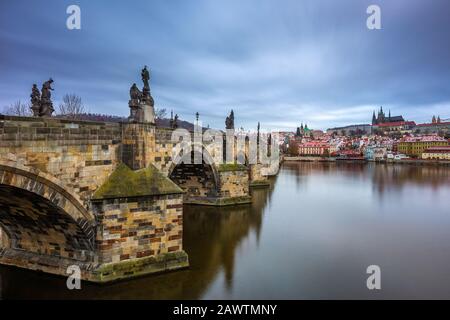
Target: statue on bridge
{"x": 35, "y": 100}
{"x": 141, "y": 103}
{"x": 134, "y": 104}
{"x": 145, "y": 74}
{"x": 229, "y": 122}
{"x": 46, "y": 109}
{"x": 41, "y": 102}
{"x": 147, "y": 97}
{"x": 173, "y": 121}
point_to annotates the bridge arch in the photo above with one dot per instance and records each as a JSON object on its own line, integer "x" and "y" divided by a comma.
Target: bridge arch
{"x": 199, "y": 181}
{"x": 40, "y": 216}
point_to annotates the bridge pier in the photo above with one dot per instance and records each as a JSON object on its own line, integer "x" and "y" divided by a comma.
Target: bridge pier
{"x": 101, "y": 196}
{"x": 256, "y": 178}
{"x": 140, "y": 225}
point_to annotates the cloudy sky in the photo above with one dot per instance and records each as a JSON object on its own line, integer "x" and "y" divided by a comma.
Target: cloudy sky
{"x": 278, "y": 62}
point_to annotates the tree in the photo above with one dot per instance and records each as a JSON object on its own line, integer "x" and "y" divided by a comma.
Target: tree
{"x": 293, "y": 149}
{"x": 17, "y": 109}
{"x": 160, "y": 113}
{"x": 71, "y": 107}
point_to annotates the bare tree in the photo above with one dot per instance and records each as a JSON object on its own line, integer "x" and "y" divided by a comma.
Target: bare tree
{"x": 160, "y": 113}
{"x": 71, "y": 107}
{"x": 17, "y": 109}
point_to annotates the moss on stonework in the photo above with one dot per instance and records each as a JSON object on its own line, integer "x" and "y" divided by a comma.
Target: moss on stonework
{"x": 124, "y": 182}
{"x": 226, "y": 201}
{"x": 231, "y": 167}
{"x": 140, "y": 266}
{"x": 260, "y": 183}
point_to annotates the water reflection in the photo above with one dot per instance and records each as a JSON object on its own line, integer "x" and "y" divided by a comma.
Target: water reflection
{"x": 383, "y": 177}
{"x": 211, "y": 236}
{"x": 312, "y": 234}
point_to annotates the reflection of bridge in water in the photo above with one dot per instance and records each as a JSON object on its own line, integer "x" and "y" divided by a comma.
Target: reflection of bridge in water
{"x": 211, "y": 237}
{"x": 107, "y": 197}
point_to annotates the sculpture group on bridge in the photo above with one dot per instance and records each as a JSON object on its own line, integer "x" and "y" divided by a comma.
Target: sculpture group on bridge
{"x": 41, "y": 103}
{"x": 141, "y": 102}
{"x": 103, "y": 177}
{"x": 229, "y": 121}
{"x": 173, "y": 121}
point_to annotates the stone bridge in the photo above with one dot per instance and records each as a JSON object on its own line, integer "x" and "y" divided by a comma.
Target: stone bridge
{"x": 106, "y": 197}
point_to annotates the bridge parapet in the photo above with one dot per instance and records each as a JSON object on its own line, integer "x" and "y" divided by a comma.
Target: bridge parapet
{"x": 79, "y": 154}
{"x": 109, "y": 186}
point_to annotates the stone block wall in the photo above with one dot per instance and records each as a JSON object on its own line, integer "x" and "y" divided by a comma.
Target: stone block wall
{"x": 36, "y": 225}
{"x": 80, "y": 154}
{"x": 163, "y": 149}
{"x": 256, "y": 177}
{"x": 197, "y": 180}
{"x": 234, "y": 183}
{"x": 138, "y": 144}
{"x": 140, "y": 235}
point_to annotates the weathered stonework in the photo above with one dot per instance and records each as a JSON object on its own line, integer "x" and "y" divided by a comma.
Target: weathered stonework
{"x": 234, "y": 184}
{"x": 138, "y": 144}
{"x": 97, "y": 195}
{"x": 149, "y": 227}
{"x": 197, "y": 180}
{"x": 255, "y": 176}
{"x": 79, "y": 154}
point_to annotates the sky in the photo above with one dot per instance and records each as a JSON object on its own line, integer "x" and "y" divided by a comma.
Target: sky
{"x": 280, "y": 62}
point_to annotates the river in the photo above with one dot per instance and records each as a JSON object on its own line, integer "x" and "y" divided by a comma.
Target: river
{"x": 311, "y": 235}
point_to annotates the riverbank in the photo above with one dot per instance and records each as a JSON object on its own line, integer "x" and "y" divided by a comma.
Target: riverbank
{"x": 417, "y": 162}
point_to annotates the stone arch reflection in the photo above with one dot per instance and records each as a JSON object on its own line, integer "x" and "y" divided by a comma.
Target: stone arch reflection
{"x": 212, "y": 235}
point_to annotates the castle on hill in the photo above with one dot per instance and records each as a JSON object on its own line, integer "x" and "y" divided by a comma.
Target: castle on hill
{"x": 383, "y": 119}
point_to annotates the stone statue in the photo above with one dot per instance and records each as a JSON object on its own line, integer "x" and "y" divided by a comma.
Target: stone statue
{"x": 229, "y": 122}
{"x": 46, "y": 109}
{"x": 145, "y": 74}
{"x": 147, "y": 97}
{"x": 175, "y": 122}
{"x": 134, "y": 104}
{"x": 35, "y": 100}
{"x": 135, "y": 93}
{"x": 141, "y": 103}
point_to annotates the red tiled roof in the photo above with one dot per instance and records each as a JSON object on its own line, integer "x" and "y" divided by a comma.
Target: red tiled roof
{"x": 443, "y": 149}
{"x": 432, "y": 124}
{"x": 397, "y": 124}
{"x": 430, "y": 138}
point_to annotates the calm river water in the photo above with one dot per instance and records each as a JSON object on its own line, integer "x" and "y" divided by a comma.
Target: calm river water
{"x": 311, "y": 235}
